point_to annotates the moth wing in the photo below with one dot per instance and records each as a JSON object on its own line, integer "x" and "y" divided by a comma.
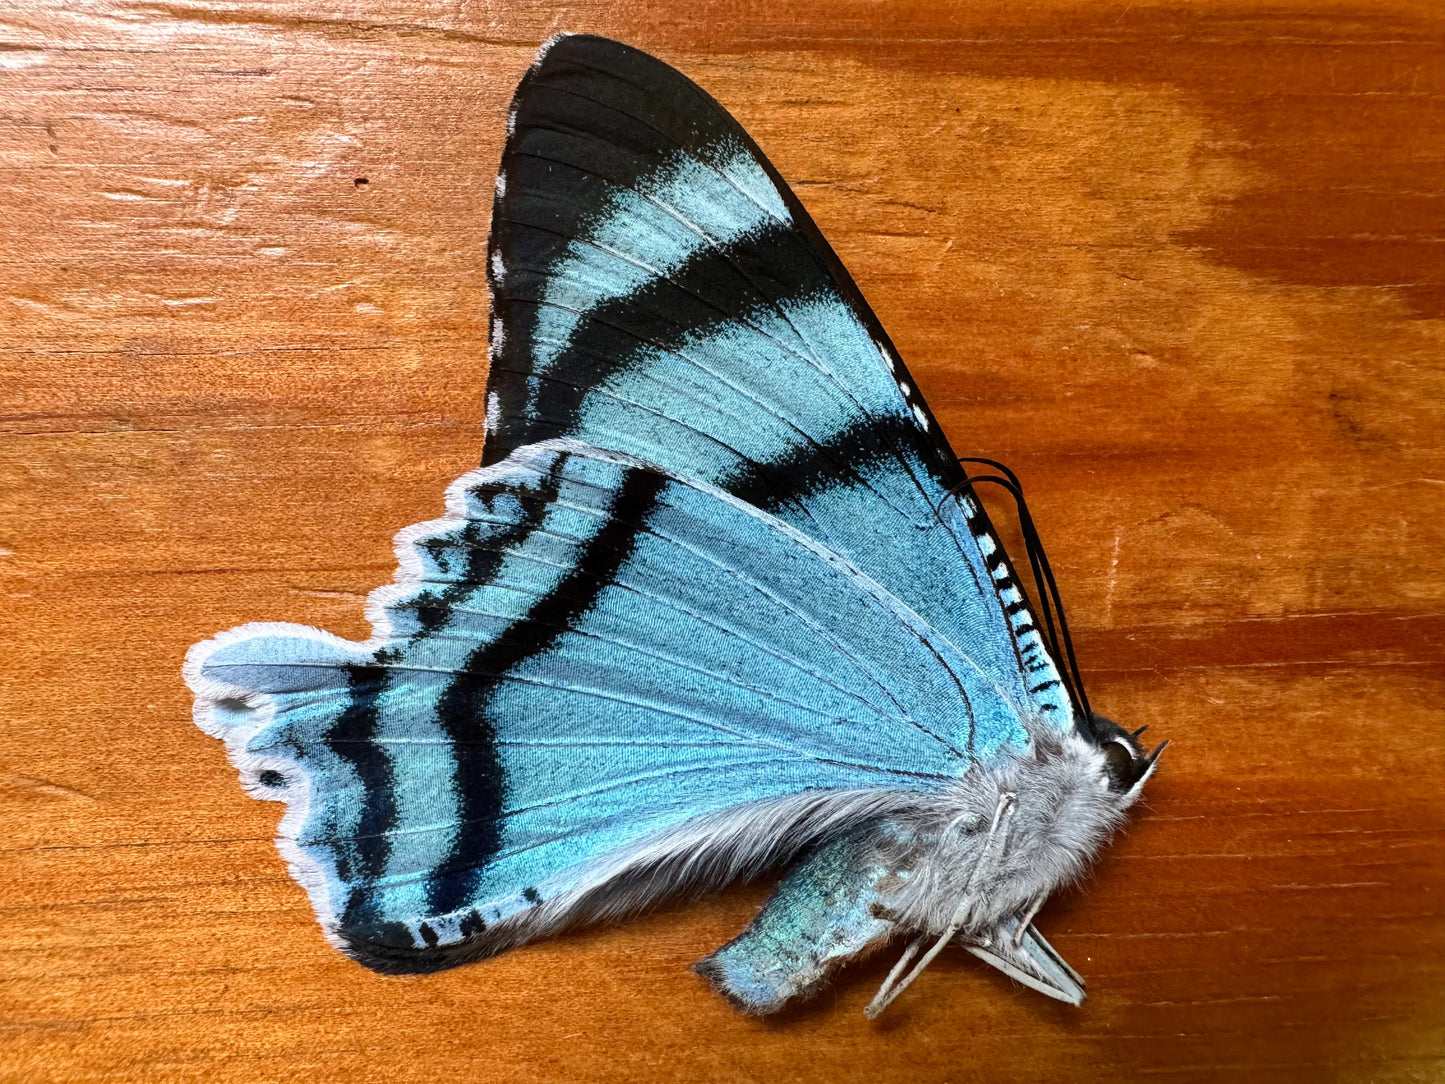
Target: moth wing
{"x": 658, "y": 289}
{"x": 591, "y": 669}
{"x": 825, "y": 912}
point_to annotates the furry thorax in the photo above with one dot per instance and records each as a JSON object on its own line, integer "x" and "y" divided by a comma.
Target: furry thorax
{"x": 1050, "y": 811}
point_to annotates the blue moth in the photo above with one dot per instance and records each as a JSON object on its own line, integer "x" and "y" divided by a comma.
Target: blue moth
{"x": 721, "y": 597}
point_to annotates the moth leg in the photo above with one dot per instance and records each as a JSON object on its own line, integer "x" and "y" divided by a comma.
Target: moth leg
{"x": 1022, "y": 953}
{"x": 830, "y": 908}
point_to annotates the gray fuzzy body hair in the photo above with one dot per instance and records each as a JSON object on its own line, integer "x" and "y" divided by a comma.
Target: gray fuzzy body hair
{"x": 1063, "y": 810}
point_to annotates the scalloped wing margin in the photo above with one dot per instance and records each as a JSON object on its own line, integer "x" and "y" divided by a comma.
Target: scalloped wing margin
{"x": 593, "y": 682}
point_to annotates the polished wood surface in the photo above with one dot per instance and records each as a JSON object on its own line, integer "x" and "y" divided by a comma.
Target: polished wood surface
{"x": 1180, "y": 265}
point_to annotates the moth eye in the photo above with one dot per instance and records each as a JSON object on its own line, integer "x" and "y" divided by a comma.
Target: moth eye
{"x": 1119, "y": 763}
{"x": 272, "y": 778}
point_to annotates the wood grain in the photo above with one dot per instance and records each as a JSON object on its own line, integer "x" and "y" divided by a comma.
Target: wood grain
{"x": 1180, "y": 265}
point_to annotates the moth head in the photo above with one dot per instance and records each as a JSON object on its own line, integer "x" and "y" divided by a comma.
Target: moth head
{"x": 1126, "y": 766}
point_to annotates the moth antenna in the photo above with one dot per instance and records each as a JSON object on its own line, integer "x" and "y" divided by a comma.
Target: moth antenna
{"x": 892, "y": 986}
{"x": 1049, "y": 600}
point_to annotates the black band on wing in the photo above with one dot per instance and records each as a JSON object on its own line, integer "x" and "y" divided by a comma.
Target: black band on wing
{"x": 462, "y": 711}
{"x": 353, "y": 737}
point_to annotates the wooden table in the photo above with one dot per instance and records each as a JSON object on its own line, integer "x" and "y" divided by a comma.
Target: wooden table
{"x": 1180, "y": 265}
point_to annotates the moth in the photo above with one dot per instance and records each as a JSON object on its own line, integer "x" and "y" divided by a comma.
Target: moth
{"x": 720, "y": 597}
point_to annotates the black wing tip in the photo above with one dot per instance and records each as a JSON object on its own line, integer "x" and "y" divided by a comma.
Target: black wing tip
{"x": 595, "y": 50}
{"x": 617, "y": 58}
